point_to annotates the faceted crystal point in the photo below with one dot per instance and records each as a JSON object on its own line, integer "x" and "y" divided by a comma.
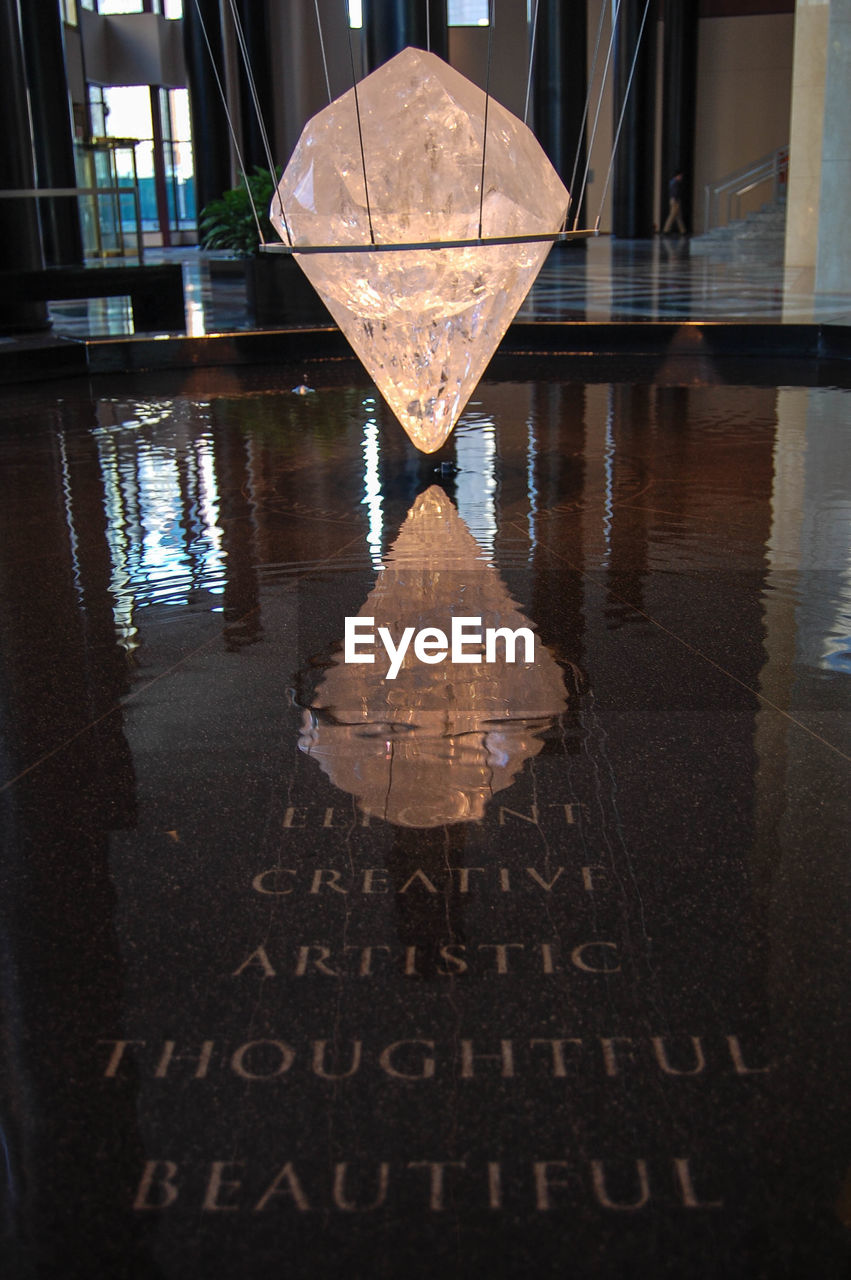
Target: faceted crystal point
{"x": 424, "y": 322}
{"x": 433, "y": 745}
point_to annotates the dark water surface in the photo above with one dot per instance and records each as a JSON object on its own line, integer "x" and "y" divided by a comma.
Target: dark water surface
{"x": 532, "y": 968}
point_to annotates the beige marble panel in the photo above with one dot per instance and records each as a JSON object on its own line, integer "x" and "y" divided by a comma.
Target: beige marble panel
{"x": 833, "y": 262}
{"x": 807, "y": 128}
{"x": 744, "y": 85}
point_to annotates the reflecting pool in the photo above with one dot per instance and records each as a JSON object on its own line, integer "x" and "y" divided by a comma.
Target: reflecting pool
{"x": 529, "y": 960}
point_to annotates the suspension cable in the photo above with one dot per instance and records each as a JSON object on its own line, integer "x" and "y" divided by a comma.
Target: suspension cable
{"x": 623, "y": 112}
{"x": 491, "y": 24}
{"x": 231, "y": 129}
{"x": 531, "y": 60}
{"x": 322, "y": 47}
{"x": 360, "y": 130}
{"x": 587, "y": 104}
{"x": 615, "y": 17}
{"x": 249, "y": 73}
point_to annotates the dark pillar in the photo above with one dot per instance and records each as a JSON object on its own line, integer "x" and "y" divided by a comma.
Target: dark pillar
{"x": 20, "y": 239}
{"x": 393, "y": 25}
{"x": 53, "y": 134}
{"x": 210, "y": 134}
{"x": 160, "y": 180}
{"x": 559, "y": 78}
{"x": 632, "y": 192}
{"x": 254, "y": 19}
{"x": 679, "y": 101}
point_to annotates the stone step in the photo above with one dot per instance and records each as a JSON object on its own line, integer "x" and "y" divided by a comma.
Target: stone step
{"x": 765, "y": 227}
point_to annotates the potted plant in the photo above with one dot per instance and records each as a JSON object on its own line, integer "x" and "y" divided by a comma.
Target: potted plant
{"x": 228, "y": 222}
{"x": 277, "y": 290}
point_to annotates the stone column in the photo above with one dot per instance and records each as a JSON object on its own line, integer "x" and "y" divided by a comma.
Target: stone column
{"x": 210, "y": 135}
{"x": 53, "y": 134}
{"x": 820, "y": 148}
{"x": 20, "y": 239}
{"x": 633, "y": 179}
{"x": 833, "y": 265}
{"x": 393, "y": 25}
{"x": 679, "y": 101}
{"x": 559, "y": 83}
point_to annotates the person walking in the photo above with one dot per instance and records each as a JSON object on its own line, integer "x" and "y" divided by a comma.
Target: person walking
{"x": 675, "y": 207}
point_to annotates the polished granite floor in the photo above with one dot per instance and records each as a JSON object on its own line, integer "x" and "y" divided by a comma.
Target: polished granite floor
{"x": 669, "y": 278}
{"x": 492, "y": 969}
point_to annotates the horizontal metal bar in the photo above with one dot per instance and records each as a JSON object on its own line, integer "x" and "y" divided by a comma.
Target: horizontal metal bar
{"x": 36, "y": 193}
{"x": 428, "y": 244}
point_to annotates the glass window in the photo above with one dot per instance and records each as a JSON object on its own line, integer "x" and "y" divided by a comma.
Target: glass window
{"x": 128, "y": 111}
{"x": 177, "y": 148}
{"x": 120, "y": 6}
{"x": 97, "y": 111}
{"x": 461, "y": 13}
{"x": 468, "y": 13}
{"x": 124, "y": 111}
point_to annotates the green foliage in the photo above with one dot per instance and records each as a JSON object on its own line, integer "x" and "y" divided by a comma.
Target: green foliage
{"x": 228, "y": 223}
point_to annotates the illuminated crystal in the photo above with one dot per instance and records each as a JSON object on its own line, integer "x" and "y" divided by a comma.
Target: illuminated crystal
{"x": 433, "y": 745}
{"x": 424, "y": 322}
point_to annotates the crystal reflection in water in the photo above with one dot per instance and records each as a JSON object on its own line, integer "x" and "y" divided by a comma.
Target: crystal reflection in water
{"x": 433, "y": 745}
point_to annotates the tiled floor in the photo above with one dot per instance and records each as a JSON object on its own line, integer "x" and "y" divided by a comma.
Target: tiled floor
{"x": 663, "y": 279}
{"x": 606, "y": 279}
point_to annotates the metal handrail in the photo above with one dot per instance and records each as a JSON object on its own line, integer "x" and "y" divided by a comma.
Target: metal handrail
{"x": 774, "y": 166}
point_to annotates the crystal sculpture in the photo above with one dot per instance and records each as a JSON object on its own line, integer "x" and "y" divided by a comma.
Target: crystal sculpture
{"x": 433, "y": 745}
{"x": 424, "y": 322}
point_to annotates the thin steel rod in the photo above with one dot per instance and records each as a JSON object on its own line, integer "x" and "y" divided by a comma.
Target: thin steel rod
{"x": 249, "y": 74}
{"x": 597, "y": 113}
{"x": 360, "y": 130}
{"x": 623, "y": 111}
{"x": 491, "y": 23}
{"x": 223, "y": 97}
{"x": 428, "y": 24}
{"x": 322, "y": 47}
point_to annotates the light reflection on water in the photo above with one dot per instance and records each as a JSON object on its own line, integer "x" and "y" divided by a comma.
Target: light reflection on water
{"x": 674, "y": 480}
{"x": 475, "y": 483}
{"x": 162, "y": 506}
